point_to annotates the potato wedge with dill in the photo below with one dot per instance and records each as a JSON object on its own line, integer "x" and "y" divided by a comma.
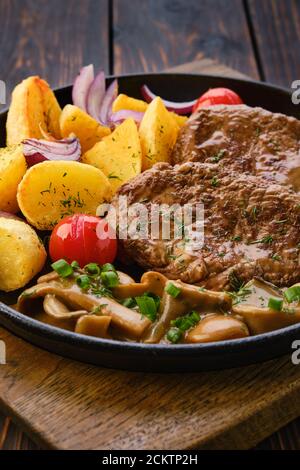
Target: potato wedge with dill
{"x": 12, "y": 169}
{"x": 126, "y": 102}
{"x": 118, "y": 155}
{"x": 52, "y": 190}
{"x": 33, "y": 107}
{"x": 158, "y": 133}
{"x": 22, "y": 254}
{"x": 88, "y": 130}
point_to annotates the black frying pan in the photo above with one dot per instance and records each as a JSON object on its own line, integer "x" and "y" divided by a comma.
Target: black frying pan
{"x": 164, "y": 358}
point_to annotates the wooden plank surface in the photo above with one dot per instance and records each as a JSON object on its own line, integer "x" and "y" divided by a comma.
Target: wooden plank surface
{"x": 52, "y": 38}
{"x": 154, "y": 35}
{"x": 276, "y": 25}
{"x": 208, "y": 67}
{"x": 68, "y": 405}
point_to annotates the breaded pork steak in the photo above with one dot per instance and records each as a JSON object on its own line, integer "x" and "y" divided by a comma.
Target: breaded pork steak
{"x": 243, "y": 139}
{"x": 251, "y": 226}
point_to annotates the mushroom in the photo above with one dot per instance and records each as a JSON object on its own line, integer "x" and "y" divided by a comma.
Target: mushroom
{"x": 254, "y": 308}
{"x": 150, "y": 282}
{"x": 190, "y": 298}
{"x": 57, "y": 309}
{"x": 264, "y": 319}
{"x": 93, "y": 325}
{"x": 128, "y": 323}
{"x": 216, "y": 327}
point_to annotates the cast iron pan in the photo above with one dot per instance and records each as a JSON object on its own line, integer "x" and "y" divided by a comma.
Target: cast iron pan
{"x": 163, "y": 358}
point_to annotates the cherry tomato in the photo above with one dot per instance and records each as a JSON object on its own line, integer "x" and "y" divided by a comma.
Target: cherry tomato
{"x": 217, "y": 96}
{"x": 83, "y": 238}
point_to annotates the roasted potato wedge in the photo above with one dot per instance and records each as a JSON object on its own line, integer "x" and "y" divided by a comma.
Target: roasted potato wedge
{"x": 87, "y": 129}
{"x": 22, "y": 255}
{"x": 181, "y": 120}
{"x": 119, "y": 155}
{"x": 52, "y": 110}
{"x": 52, "y": 190}
{"x": 126, "y": 102}
{"x": 158, "y": 133}
{"x": 33, "y": 107}
{"x": 12, "y": 169}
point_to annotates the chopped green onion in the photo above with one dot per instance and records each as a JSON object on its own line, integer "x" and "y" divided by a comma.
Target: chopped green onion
{"x": 174, "y": 335}
{"x": 275, "y": 304}
{"x": 292, "y": 294}
{"x": 130, "y": 302}
{"x": 186, "y": 322}
{"x": 93, "y": 269}
{"x": 62, "y": 268}
{"x": 172, "y": 290}
{"x": 155, "y": 297}
{"x": 147, "y": 307}
{"x": 108, "y": 267}
{"x": 83, "y": 281}
{"x": 75, "y": 265}
{"x": 182, "y": 324}
{"x": 110, "y": 278}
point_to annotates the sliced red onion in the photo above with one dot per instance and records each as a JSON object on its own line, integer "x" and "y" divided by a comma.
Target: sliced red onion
{"x": 82, "y": 85}
{"x": 37, "y": 151}
{"x": 8, "y": 215}
{"x": 95, "y": 96}
{"x": 106, "y": 107}
{"x": 120, "y": 116}
{"x": 179, "y": 108}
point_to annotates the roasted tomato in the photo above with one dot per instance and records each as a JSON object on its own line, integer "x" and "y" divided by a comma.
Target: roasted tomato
{"x": 217, "y": 96}
{"x": 83, "y": 238}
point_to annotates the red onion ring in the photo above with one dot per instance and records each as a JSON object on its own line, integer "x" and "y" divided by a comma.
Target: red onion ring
{"x": 95, "y": 96}
{"x": 8, "y": 215}
{"x": 37, "y": 151}
{"x": 106, "y": 107}
{"x": 82, "y": 85}
{"x": 185, "y": 107}
{"x": 120, "y": 116}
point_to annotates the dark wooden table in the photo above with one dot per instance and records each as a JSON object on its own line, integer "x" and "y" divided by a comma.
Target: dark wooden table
{"x": 260, "y": 38}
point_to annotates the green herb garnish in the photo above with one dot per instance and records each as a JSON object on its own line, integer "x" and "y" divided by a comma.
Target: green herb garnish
{"x": 186, "y": 322}
{"x": 292, "y": 294}
{"x": 108, "y": 267}
{"x": 83, "y": 281}
{"x": 92, "y": 269}
{"x": 172, "y": 290}
{"x": 174, "y": 335}
{"x": 182, "y": 324}
{"x": 130, "y": 302}
{"x": 147, "y": 306}
{"x": 63, "y": 268}
{"x": 109, "y": 278}
{"x": 266, "y": 239}
{"x": 75, "y": 265}
{"x": 218, "y": 156}
{"x": 275, "y": 304}
{"x": 240, "y": 296}
{"x": 214, "y": 182}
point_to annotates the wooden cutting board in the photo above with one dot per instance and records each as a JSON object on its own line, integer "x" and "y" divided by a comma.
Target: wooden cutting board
{"x": 63, "y": 404}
